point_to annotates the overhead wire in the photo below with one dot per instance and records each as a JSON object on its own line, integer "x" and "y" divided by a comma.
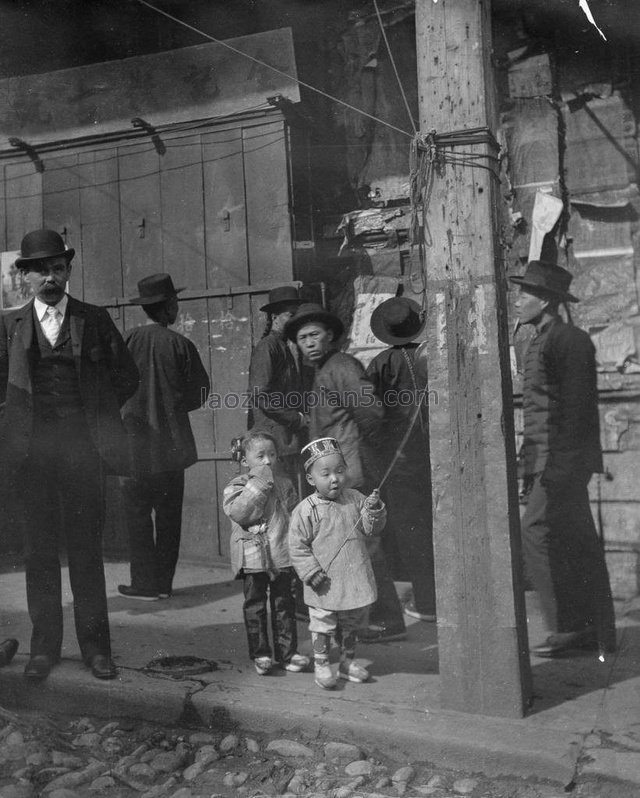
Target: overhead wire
{"x": 395, "y": 69}
{"x": 278, "y": 71}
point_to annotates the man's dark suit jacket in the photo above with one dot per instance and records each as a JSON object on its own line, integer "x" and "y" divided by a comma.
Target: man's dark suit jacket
{"x": 107, "y": 377}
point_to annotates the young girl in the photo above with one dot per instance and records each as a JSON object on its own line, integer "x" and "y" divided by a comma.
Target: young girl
{"x": 258, "y": 503}
{"x": 328, "y": 550}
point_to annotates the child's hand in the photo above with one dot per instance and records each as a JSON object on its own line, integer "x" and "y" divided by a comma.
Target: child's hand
{"x": 317, "y": 580}
{"x": 263, "y": 472}
{"x": 373, "y": 502}
{"x": 258, "y": 529}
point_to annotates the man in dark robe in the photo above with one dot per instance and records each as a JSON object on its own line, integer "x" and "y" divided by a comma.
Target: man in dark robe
{"x": 173, "y": 382}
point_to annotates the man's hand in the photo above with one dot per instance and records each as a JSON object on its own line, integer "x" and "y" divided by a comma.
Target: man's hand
{"x": 317, "y": 580}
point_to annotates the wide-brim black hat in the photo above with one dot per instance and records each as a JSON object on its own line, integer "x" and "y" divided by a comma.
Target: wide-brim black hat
{"x": 309, "y": 312}
{"x": 398, "y": 320}
{"x": 283, "y": 295}
{"x": 41, "y": 244}
{"x": 155, "y": 288}
{"x": 547, "y": 278}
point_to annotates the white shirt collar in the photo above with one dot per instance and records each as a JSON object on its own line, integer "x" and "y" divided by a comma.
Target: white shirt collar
{"x": 41, "y": 307}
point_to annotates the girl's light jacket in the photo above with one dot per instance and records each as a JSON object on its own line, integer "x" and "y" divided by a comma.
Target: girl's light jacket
{"x": 259, "y": 506}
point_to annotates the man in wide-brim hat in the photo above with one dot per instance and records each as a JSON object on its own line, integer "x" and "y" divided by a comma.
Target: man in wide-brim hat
{"x": 400, "y": 385}
{"x": 342, "y": 405}
{"x": 173, "y": 382}
{"x": 64, "y": 373}
{"x": 561, "y": 449}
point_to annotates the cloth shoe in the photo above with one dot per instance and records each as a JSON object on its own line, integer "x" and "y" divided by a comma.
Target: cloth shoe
{"x": 352, "y": 672}
{"x": 297, "y": 663}
{"x": 136, "y": 593}
{"x": 410, "y": 610}
{"x": 263, "y": 665}
{"x": 379, "y": 633}
{"x": 323, "y": 674}
{"x": 561, "y": 644}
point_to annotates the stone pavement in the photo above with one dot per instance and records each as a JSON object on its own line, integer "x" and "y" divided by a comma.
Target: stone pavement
{"x": 584, "y": 722}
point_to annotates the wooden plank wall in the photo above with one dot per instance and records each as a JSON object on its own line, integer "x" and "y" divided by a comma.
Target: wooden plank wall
{"x": 212, "y": 209}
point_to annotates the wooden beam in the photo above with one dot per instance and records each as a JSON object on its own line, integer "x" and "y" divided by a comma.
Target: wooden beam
{"x": 484, "y": 665}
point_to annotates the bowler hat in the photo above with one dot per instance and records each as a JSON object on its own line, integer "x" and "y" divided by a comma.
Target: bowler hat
{"x": 41, "y": 244}
{"x": 310, "y": 312}
{"x": 155, "y": 288}
{"x": 548, "y": 278}
{"x": 398, "y": 320}
{"x": 283, "y": 295}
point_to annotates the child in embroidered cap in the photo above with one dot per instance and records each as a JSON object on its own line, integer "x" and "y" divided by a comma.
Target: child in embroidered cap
{"x": 328, "y": 550}
{"x": 258, "y": 503}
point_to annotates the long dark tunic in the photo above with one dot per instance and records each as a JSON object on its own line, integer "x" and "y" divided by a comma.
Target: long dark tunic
{"x": 173, "y": 382}
{"x": 276, "y": 393}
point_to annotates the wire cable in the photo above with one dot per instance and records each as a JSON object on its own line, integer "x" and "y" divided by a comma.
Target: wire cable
{"x": 395, "y": 69}
{"x": 272, "y": 68}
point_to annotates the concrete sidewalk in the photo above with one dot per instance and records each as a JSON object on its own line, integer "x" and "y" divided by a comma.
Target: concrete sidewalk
{"x": 585, "y": 718}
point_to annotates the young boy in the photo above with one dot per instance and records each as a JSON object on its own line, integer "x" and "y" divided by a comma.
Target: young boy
{"x": 328, "y": 550}
{"x": 258, "y": 503}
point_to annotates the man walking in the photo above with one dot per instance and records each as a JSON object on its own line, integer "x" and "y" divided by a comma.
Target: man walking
{"x": 563, "y": 557}
{"x": 64, "y": 373}
{"x": 173, "y": 382}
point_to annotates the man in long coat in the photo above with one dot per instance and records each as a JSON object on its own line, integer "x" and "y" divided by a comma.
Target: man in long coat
{"x": 64, "y": 373}
{"x": 564, "y": 558}
{"x": 276, "y": 383}
{"x": 173, "y": 382}
{"x": 400, "y": 383}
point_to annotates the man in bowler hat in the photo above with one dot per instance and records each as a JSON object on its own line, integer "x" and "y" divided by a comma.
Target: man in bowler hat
{"x": 64, "y": 374}
{"x": 564, "y": 559}
{"x": 173, "y": 382}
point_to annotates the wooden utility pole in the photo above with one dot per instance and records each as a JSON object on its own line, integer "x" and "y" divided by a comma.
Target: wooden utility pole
{"x": 484, "y": 665}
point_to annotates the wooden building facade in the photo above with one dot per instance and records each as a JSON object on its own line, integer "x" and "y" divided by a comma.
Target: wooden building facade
{"x": 199, "y": 186}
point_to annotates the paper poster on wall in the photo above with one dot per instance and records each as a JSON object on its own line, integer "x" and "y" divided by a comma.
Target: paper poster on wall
{"x": 15, "y": 290}
{"x": 362, "y": 342}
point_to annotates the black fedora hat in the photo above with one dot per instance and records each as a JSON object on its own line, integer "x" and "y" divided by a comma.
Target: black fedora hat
{"x": 41, "y": 244}
{"x": 310, "y": 312}
{"x": 398, "y": 320}
{"x": 547, "y": 278}
{"x": 155, "y": 288}
{"x": 283, "y": 295}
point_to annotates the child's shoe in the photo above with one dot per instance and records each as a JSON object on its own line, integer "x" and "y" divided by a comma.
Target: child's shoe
{"x": 352, "y": 672}
{"x": 297, "y": 663}
{"x": 324, "y": 676}
{"x": 263, "y": 665}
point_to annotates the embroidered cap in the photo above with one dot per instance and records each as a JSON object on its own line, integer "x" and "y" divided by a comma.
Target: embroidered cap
{"x": 321, "y": 447}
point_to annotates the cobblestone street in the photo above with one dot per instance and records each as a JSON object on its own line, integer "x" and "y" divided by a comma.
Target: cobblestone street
{"x": 63, "y": 757}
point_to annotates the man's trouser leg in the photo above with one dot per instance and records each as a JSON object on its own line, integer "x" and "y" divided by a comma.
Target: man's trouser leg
{"x": 168, "y": 495}
{"x": 387, "y": 610}
{"x": 68, "y": 471}
{"x": 137, "y": 493}
{"x": 409, "y": 520}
